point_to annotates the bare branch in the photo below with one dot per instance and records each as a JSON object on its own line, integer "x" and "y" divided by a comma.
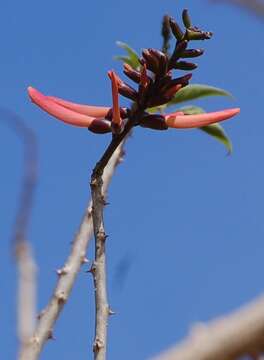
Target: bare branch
{"x": 98, "y": 268}
{"x": 255, "y": 6}
{"x": 26, "y": 292}
{"x": 228, "y": 338}
{"x": 67, "y": 274}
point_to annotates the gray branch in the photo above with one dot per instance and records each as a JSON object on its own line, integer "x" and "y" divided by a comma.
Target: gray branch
{"x": 228, "y": 338}
{"x": 67, "y": 274}
{"x": 26, "y": 268}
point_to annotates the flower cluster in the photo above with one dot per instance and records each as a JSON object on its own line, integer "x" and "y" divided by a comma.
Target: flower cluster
{"x": 155, "y": 87}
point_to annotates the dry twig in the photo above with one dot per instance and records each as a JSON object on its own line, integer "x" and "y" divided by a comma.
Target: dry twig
{"x": 67, "y": 274}
{"x": 26, "y": 293}
{"x": 98, "y": 268}
{"x": 255, "y": 6}
{"x": 238, "y": 334}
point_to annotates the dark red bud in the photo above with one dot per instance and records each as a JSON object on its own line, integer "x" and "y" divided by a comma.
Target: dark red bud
{"x": 164, "y": 82}
{"x": 162, "y": 61}
{"x": 154, "y": 121}
{"x": 184, "y": 65}
{"x": 176, "y": 30}
{"x": 151, "y": 61}
{"x": 132, "y": 73}
{"x": 100, "y": 126}
{"x": 181, "y": 46}
{"x": 177, "y": 54}
{"x": 191, "y": 53}
{"x": 183, "y": 80}
{"x": 127, "y": 91}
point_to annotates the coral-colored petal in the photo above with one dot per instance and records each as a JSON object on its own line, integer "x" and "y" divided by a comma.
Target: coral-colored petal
{"x": 199, "y": 120}
{"x": 116, "y": 111}
{"x": 95, "y": 111}
{"x": 58, "y": 111}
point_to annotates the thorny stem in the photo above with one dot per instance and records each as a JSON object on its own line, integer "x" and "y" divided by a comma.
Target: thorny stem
{"x": 98, "y": 268}
{"x": 67, "y": 274}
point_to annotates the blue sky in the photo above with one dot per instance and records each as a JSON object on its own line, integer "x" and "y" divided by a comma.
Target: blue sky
{"x": 187, "y": 219}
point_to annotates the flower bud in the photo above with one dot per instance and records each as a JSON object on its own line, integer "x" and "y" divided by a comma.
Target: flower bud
{"x": 153, "y": 121}
{"x": 183, "y": 81}
{"x": 100, "y": 126}
{"x": 166, "y": 33}
{"x": 133, "y": 74}
{"x": 184, "y": 65}
{"x": 181, "y": 46}
{"x": 162, "y": 61}
{"x": 176, "y": 30}
{"x": 191, "y": 53}
{"x": 151, "y": 61}
{"x": 127, "y": 91}
{"x": 193, "y": 34}
{"x": 186, "y": 19}
{"x": 179, "y": 49}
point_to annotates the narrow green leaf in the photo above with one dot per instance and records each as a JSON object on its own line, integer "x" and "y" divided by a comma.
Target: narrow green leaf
{"x": 157, "y": 109}
{"x": 214, "y": 130}
{"x": 219, "y": 133}
{"x": 132, "y": 55}
{"x": 192, "y": 110}
{"x": 196, "y": 91}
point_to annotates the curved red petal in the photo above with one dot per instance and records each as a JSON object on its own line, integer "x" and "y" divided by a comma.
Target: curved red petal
{"x": 95, "y": 111}
{"x": 116, "y": 111}
{"x": 199, "y": 120}
{"x": 66, "y": 115}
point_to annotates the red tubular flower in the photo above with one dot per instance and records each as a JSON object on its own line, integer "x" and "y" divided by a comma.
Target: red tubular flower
{"x": 155, "y": 87}
{"x": 117, "y": 124}
{"x": 179, "y": 120}
{"x": 95, "y": 118}
{"x": 68, "y": 112}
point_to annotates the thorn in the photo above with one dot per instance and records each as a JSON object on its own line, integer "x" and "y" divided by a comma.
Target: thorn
{"x": 90, "y": 212}
{"x": 92, "y": 269}
{"x": 50, "y": 335}
{"x": 63, "y": 271}
{"x": 111, "y": 312}
{"x": 101, "y": 235}
{"x": 85, "y": 260}
{"x": 39, "y": 316}
{"x": 62, "y": 298}
{"x": 98, "y": 344}
{"x": 34, "y": 340}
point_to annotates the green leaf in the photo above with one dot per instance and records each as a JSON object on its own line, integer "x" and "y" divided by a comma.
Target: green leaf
{"x": 132, "y": 57}
{"x": 157, "y": 109}
{"x": 214, "y": 130}
{"x": 196, "y": 91}
{"x": 219, "y": 133}
{"x": 192, "y": 110}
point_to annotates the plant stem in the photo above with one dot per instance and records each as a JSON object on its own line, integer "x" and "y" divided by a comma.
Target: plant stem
{"x": 66, "y": 275}
{"x": 98, "y": 268}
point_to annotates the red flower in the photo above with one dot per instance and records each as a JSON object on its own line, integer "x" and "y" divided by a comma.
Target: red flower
{"x": 100, "y": 119}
